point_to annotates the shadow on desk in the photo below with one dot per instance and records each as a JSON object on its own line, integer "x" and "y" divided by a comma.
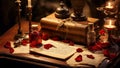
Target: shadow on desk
{"x": 11, "y": 61}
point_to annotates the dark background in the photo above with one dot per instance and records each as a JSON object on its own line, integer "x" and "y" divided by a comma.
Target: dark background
{"x": 41, "y": 8}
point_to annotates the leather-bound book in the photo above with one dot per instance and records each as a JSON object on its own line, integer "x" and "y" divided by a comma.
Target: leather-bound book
{"x": 67, "y": 28}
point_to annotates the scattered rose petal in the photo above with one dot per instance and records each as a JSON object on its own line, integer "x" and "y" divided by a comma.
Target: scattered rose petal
{"x": 45, "y": 36}
{"x": 24, "y": 42}
{"x": 91, "y": 56}
{"x": 33, "y": 44}
{"x": 47, "y": 46}
{"x": 7, "y": 45}
{"x": 78, "y": 58}
{"x": 112, "y": 55}
{"x": 55, "y": 38}
{"x": 106, "y": 53}
{"x": 79, "y": 50}
{"x": 71, "y": 43}
{"x": 11, "y": 50}
{"x": 66, "y": 41}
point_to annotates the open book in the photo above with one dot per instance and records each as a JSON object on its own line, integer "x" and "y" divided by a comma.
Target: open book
{"x": 59, "y": 50}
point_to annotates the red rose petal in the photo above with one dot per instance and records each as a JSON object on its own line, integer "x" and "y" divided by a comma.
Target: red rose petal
{"x": 24, "y": 42}
{"x": 71, "y": 43}
{"x": 7, "y": 45}
{"x": 112, "y": 56}
{"x": 106, "y": 53}
{"x": 90, "y": 56}
{"x": 65, "y": 41}
{"x": 33, "y": 44}
{"x": 55, "y": 38}
{"x": 45, "y": 36}
{"x": 78, "y": 58}
{"x": 47, "y": 46}
{"x": 11, "y": 50}
{"x": 79, "y": 50}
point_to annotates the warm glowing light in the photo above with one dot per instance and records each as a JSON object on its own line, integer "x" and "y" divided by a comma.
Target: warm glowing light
{"x": 109, "y": 5}
{"x": 110, "y": 23}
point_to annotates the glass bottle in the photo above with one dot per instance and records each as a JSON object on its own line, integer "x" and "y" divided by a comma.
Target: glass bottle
{"x": 91, "y": 34}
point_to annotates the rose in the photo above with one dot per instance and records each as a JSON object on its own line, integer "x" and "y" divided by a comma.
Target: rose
{"x": 79, "y": 50}
{"x": 47, "y": 46}
{"x": 78, "y": 58}
{"x": 91, "y": 56}
{"x": 102, "y": 32}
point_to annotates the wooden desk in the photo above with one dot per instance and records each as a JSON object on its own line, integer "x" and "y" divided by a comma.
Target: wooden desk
{"x": 35, "y": 60}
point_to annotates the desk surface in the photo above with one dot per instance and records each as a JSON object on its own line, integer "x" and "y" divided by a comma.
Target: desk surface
{"x": 36, "y": 59}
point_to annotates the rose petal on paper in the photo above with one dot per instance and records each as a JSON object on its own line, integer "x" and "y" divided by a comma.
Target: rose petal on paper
{"x": 47, "y": 46}
{"x": 71, "y": 43}
{"x": 91, "y": 56}
{"x": 78, "y": 58}
{"x": 79, "y": 50}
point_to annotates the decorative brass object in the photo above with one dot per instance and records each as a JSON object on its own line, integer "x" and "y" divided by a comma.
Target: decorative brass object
{"x": 62, "y": 12}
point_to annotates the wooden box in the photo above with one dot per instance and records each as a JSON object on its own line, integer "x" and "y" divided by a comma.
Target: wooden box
{"x": 66, "y": 28}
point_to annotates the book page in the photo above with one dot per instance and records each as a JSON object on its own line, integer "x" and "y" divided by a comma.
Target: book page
{"x": 59, "y": 50}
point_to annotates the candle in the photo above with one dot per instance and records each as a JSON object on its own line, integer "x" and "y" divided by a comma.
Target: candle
{"x": 110, "y": 23}
{"x": 109, "y": 5}
{"x": 29, "y": 3}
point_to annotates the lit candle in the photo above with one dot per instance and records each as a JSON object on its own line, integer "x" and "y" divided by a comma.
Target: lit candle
{"x": 29, "y": 3}
{"x": 109, "y": 5}
{"x": 110, "y": 24}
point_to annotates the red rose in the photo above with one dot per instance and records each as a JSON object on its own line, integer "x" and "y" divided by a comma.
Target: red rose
{"x": 45, "y": 36}
{"x": 71, "y": 43}
{"x": 47, "y": 46}
{"x": 102, "y": 32}
{"x": 11, "y": 50}
{"x": 55, "y": 38}
{"x": 7, "y": 45}
{"x": 79, "y": 50}
{"x": 78, "y": 58}
{"x": 91, "y": 56}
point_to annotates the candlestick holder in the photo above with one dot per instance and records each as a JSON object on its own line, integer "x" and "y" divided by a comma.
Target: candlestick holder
{"x": 19, "y": 34}
{"x": 29, "y": 8}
